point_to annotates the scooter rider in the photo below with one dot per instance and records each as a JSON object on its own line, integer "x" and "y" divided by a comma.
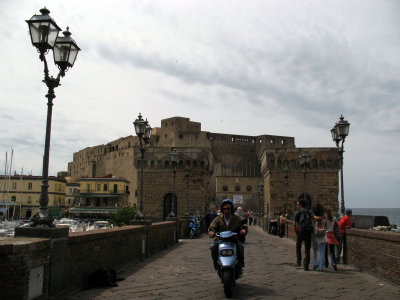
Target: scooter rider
{"x": 227, "y": 220}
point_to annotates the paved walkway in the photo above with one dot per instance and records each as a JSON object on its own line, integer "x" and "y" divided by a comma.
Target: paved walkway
{"x": 185, "y": 272}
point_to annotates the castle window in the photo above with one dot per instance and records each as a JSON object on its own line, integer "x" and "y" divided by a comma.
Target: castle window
{"x": 260, "y": 141}
{"x": 282, "y": 141}
{"x": 225, "y": 188}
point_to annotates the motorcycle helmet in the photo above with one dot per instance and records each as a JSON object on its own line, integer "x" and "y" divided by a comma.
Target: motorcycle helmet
{"x": 227, "y": 201}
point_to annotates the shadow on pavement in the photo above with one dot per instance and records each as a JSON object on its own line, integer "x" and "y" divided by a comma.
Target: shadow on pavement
{"x": 248, "y": 291}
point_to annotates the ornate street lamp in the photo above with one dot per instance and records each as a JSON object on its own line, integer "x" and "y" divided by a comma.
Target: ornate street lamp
{"x": 174, "y": 158}
{"x": 143, "y": 131}
{"x": 44, "y": 36}
{"x": 286, "y": 177}
{"x": 187, "y": 175}
{"x": 339, "y": 133}
{"x": 304, "y": 161}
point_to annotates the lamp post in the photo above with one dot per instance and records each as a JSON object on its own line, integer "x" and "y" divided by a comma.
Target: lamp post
{"x": 286, "y": 176}
{"x": 174, "y": 158}
{"x": 44, "y": 36}
{"x": 187, "y": 175}
{"x": 339, "y": 133}
{"x": 304, "y": 161}
{"x": 143, "y": 131}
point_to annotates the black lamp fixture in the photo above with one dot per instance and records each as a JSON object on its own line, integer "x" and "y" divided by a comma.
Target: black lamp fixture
{"x": 286, "y": 177}
{"x": 304, "y": 161}
{"x": 187, "y": 176}
{"x": 339, "y": 133}
{"x": 175, "y": 159}
{"x": 44, "y": 36}
{"x": 143, "y": 132}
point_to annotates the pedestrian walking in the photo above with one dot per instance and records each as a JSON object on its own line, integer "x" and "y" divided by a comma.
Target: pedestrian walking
{"x": 344, "y": 224}
{"x": 251, "y": 216}
{"x": 330, "y": 236}
{"x": 303, "y": 219}
{"x": 282, "y": 224}
{"x": 319, "y": 239}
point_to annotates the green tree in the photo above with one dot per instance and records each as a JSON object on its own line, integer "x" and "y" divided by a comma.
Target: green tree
{"x": 123, "y": 216}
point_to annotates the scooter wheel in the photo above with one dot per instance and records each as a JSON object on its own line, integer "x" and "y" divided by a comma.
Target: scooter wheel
{"x": 228, "y": 282}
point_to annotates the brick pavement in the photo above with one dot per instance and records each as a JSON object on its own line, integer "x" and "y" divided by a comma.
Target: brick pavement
{"x": 185, "y": 272}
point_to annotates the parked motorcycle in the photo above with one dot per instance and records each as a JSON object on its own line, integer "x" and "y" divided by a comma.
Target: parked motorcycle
{"x": 228, "y": 266}
{"x": 194, "y": 226}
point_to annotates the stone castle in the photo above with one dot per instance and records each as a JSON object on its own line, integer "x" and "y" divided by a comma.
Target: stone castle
{"x": 211, "y": 167}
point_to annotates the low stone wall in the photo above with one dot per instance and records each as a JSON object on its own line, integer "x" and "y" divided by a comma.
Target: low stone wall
{"x": 377, "y": 252}
{"x": 107, "y": 248}
{"x": 19, "y": 257}
{"x": 46, "y": 268}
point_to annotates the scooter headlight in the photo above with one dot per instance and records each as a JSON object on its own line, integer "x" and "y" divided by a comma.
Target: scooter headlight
{"x": 226, "y": 252}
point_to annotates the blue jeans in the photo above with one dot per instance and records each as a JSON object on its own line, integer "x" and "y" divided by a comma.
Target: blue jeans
{"x": 321, "y": 262}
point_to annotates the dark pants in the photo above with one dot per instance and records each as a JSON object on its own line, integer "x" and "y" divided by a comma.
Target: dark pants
{"x": 239, "y": 249}
{"x": 342, "y": 244}
{"x": 306, "y": 237}
{"x": 282, "y": 230}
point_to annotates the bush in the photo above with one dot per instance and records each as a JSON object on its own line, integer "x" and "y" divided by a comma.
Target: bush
{"x": 123, "y": 216}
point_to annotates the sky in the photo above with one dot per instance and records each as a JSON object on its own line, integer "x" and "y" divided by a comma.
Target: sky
{"x": 287, "y": 68}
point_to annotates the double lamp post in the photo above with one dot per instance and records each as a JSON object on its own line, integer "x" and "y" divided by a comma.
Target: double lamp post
{"x": 44, "y": 36}
{"x": 339, "y": 133}
{"x": 143, "y": 131}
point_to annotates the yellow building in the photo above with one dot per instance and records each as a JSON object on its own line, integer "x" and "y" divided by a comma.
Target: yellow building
{"x": 100, "y": 197}
{"x": 19, "y": 195}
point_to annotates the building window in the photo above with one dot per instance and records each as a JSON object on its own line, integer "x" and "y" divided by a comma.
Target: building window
{"x": 99, "y": 187}
{"x": 248, "y": 188}
{"x": 181, "y": 136}
{"x": 237, "y": 188}
{"x": 29, "y": 185}
{"x": 166, "y": 135}
{"x": 225, "y": 188}
{"x": 88, "y": 188}
{"x": 29, "y": 199}
{"x": 105, "y": 188}
{"x": 13, "y": 198}
{"x": 14, "y": 186}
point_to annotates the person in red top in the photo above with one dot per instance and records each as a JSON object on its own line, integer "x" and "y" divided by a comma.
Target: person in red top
{"x": 344, "y": 224}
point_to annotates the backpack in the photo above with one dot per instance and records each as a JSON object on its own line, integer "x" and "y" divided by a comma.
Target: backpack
{"x": 305, "y": 223}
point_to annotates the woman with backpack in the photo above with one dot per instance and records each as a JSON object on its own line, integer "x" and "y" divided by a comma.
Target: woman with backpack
{"x": 319, "y": 239}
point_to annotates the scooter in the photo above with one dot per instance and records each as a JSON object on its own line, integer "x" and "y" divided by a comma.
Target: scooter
{"x": 194, "y": 226}
{"x": 228, "y": 266}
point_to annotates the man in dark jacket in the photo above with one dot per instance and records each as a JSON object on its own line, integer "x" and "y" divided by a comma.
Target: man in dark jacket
{"x": 227, "y": 220}
{"x": 304, "y": 222}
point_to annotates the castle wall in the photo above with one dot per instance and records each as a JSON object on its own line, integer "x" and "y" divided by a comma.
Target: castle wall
{"x": 225, "y": 160}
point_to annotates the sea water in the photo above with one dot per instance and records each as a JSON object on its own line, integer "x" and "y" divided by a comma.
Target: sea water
{"x": 393, "y": 214}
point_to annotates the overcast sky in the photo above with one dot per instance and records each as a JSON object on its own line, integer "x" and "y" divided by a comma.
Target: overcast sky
{"x": 239, "y": 67}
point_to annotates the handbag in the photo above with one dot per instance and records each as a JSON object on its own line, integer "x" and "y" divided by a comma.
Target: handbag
{"x": 319, "y": 231}
{"x": 336, "y": 230}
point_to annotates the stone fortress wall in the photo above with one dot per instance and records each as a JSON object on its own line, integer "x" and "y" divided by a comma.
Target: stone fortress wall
{"x": 221, "y": 165}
